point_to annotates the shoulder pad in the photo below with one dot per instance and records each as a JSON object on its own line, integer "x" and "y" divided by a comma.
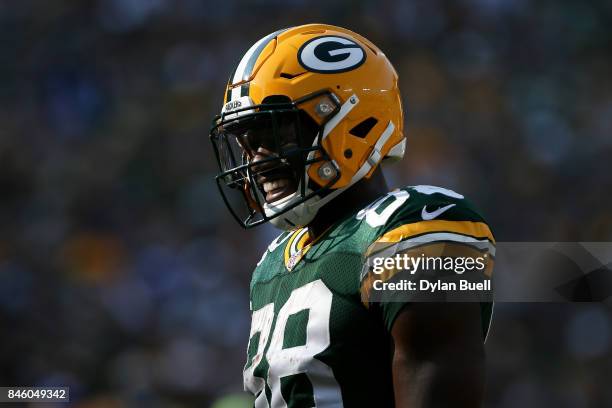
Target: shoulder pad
{"x": 416, "y": 210}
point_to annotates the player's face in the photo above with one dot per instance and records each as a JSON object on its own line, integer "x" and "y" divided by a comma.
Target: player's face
{"x": 272, "y": 145}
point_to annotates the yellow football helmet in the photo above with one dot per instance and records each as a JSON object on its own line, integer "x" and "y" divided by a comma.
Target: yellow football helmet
{"x": 320, "y": 100}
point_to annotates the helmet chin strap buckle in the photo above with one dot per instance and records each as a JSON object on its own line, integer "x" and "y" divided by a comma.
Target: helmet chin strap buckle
{"x": 326, "y": 105}
{"x": 327, "y": 171}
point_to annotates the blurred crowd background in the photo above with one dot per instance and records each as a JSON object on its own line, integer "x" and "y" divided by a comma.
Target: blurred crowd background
{"x": 123, "y": 276}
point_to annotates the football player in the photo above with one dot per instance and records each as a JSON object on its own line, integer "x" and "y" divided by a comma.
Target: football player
{"x": 310, "y": 114}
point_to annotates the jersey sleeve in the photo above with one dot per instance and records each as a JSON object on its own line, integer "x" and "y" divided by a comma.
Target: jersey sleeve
{"x": 434, "y": 223}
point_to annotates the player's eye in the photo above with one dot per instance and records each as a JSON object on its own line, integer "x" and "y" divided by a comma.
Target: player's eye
{"x": 261, "y": 137}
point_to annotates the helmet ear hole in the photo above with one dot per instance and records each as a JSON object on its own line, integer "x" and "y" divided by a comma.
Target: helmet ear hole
{"x": 362, "y": 129}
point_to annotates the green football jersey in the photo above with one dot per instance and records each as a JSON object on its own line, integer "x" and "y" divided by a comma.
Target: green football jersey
{"x": 315, "y": 340}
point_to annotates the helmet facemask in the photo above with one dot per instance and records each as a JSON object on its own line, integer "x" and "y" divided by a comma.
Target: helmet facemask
{"x": 264, "y": 152}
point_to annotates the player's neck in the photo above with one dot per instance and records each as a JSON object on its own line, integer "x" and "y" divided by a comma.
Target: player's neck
{"x": 353, "y": 199}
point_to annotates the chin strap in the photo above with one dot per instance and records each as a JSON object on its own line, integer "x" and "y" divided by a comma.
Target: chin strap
{"x": 373, "y": 159}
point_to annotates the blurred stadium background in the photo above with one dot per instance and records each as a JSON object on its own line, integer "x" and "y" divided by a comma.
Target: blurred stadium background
{"x": 123, "y": 276}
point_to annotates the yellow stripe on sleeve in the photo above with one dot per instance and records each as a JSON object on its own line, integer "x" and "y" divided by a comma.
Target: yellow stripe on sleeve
{"x": 470, "y": 228}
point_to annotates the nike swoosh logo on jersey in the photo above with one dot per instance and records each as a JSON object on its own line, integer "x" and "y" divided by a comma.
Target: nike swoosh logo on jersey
{"x": 431, "y": 215}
